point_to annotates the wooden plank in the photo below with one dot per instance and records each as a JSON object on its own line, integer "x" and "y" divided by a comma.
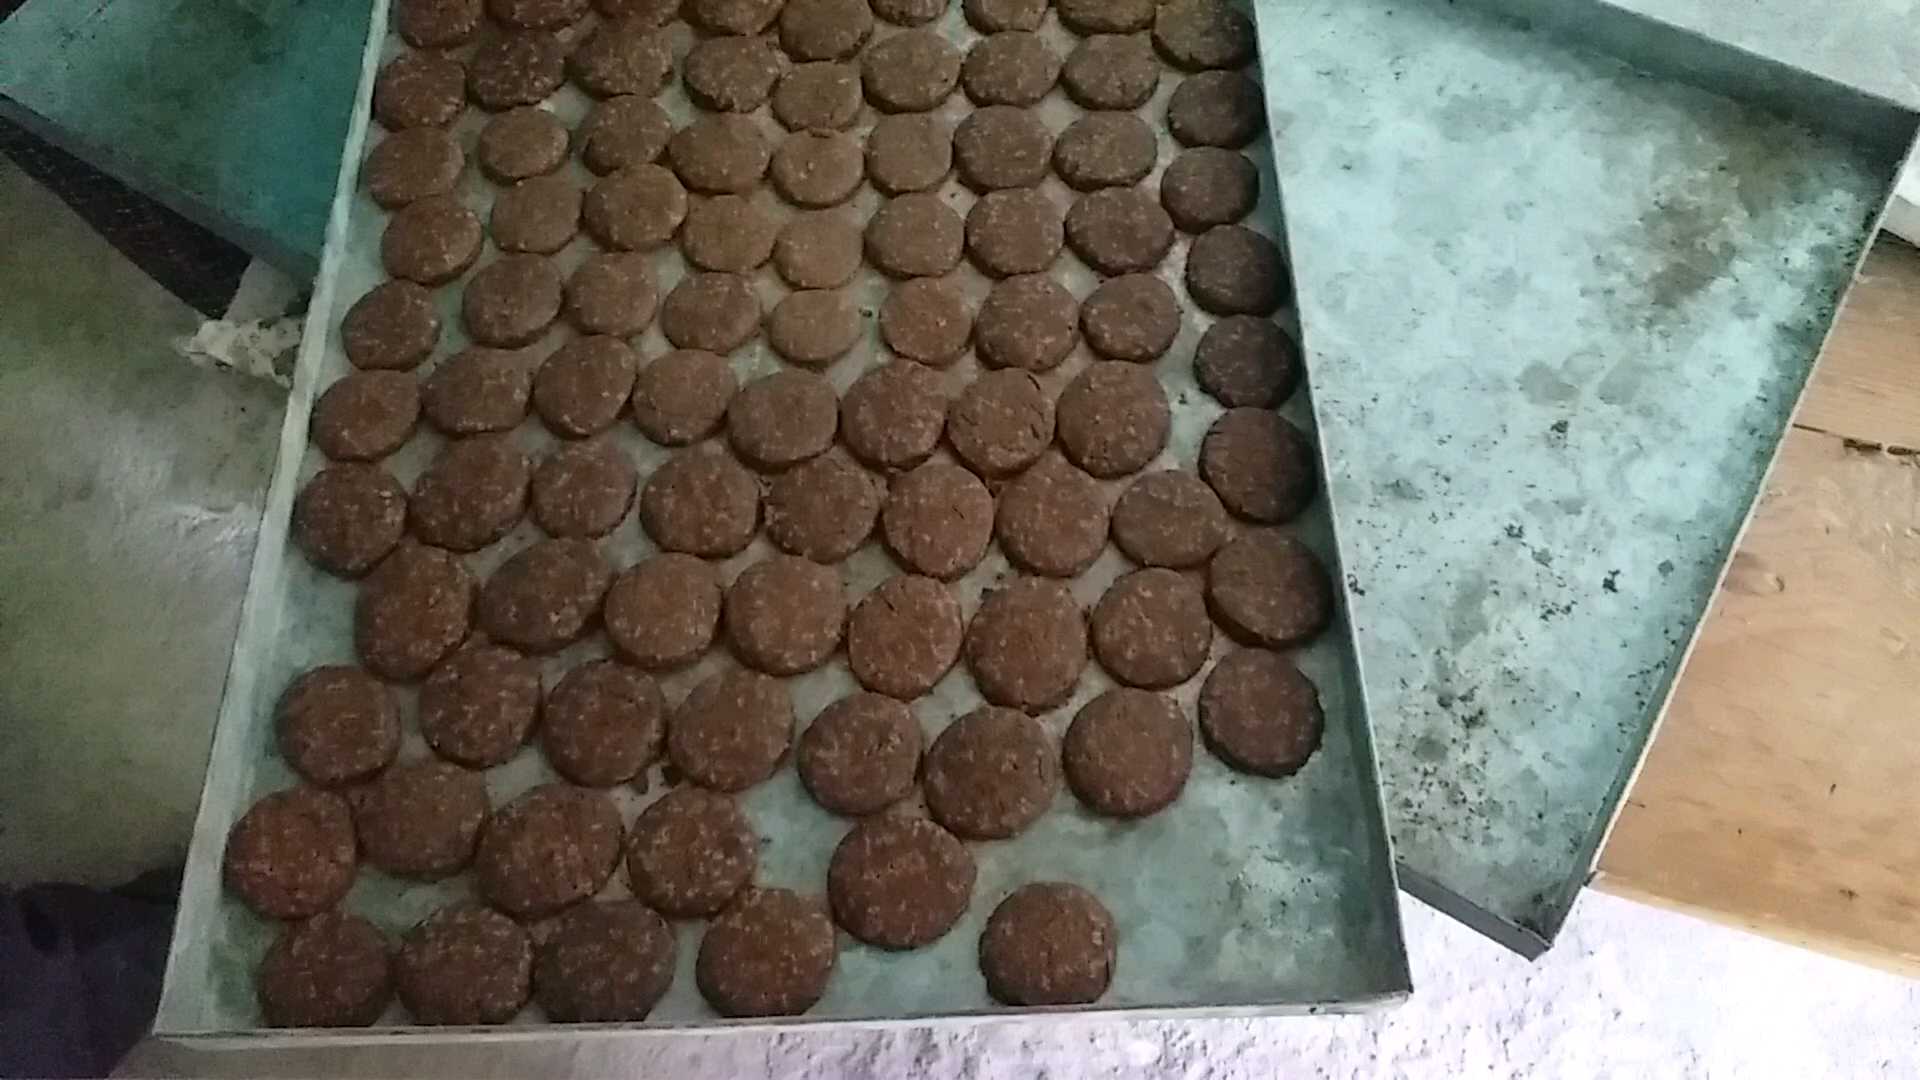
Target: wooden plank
{"x": 1867, "y": 384}
{"x": 1780, "y": 793}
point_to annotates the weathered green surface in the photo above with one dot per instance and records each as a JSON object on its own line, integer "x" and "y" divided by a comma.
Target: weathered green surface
{"x": 1558, "y": 309}
{"x": 230, "y": 111}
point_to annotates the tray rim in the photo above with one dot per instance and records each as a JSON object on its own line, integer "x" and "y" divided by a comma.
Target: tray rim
{"x": 201, "y": 882}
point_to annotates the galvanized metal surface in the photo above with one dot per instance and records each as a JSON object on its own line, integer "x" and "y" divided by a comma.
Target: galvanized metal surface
{"x": 1558, "y": 311}
{"x": 218, "y": 108}
{"x": 1247, "y": 897}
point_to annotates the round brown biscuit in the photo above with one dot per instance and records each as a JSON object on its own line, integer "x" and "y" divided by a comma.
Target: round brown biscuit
{"x": 915, "y": 235}
{"x": 478, "y": 390}
{"x": 731, "y": 16}
{"x": 1127, "y": 753}
{"x": 464, "y": 965}
{"x": 1217, "y": 108}
{"x": 413, "y": 609}
{"x": 1232, "y": 270}
{"x": 394, "y": 325}
{"x": 409, "y": 165}
{"x": 1029, "y": 321}
{"x": 1260, "y": 465}
{"x": 348, "y": 517}
{"x": 515, "y": 69}
{"x": 478, "y": 707}
{"x": 1259, "y": 714}
{"x": 418, "y": 89}
{"x": 583, "y": 489}
{"x": 548, "y": 849}
{"x": 716, "y": 313}
{"x": 701, "y": 502}
{"x": 546, "y": 596}
{"x": 606, "y": 962}
{"x": 1052, "y": 520}
{"x": 635, "y": 209}
{"x": 1001, "y": 146}
{"x": 1048, "y": 943}
{"x": 928, "y": 320}
{"x": 1027, "y": 644}
{"x": 991, "y": 774}
{"x": 1198, "y": 34}
{"x": 937, "y": 520}
{"x": 785, "y": 614}
{"x": 1111, "y": 71}
{"x": 1016, "y": 231}
{"x": 731, "y": 74}
{"x": 899, "y": 882}
{"x": 1113, "y": 418}
{"x": 909, "y": 12}
{"x": 1119, "y": 230}
{"x": 822, "y": 509}
{"x": 602, "y": 724}
{"x": 860, "y": 754}
{"x": 904, "y": 636}
{"x": 430, "y": 241}
{"x": 728, "y": 233}
{"x": 521, "y": 143}
{"x": 624, "y": 56}
{"x": 366, "y": 415}
{"x": 328, "y": 971}
{"x": 719, "y": 153}
{"x": 1267, "y": 589}
{"x": 813, "y": 327}
{"x": 511, "y": 301}
{"x": 912, "y": 71}
{"x": 1169, "y": 518}
{"x": 539, "y": 214}
{"x": 818, "y": 97}
{"x": 1017, "y": 67}
{"x": 815, "y": 170}
{"x": 536, "y": 14}
{"x": 1207, "y": 186}
{"x": 612, "y": 292}
{"x": 690, "y": 853}
{"x": 336, "y": 725}
{"x": 1105, "y": 149}
{"x": 993, "y": 16}
{"x": 663, "y": 612}
{"x": 1245, "y": 361}
{"x": 291, "y": 854}
{"x": 782, "y": 419}
{"x": 824, "y": 29}
{"x": 682, "y": 396}
{"x": 624, "y": 132}
{"x": 655, "y": 12}
{"x": 1151, "y": 629}
{"x": 769, "y": 954}
{"x": 732, "y": 731}
{"x": 471, "y": 494}
{"x": 892, "y": 416}
{"x": 584, "y": 385}
{"x": 909, "y": 152}
{"x": 1106, "y": 16}
{"x": 819, "y": 250}
{"x": 436, "y": 24}
{"x": 420, "y": 820}
{"x": 1001, "y": 423}
{"x": 1134, "y": 317}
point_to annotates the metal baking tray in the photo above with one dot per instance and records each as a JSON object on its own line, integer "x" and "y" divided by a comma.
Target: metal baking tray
{"x": 1566, "y": 268}
{"x": 1247, "y": 896}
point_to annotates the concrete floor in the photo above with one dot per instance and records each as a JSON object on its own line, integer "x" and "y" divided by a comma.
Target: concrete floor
{"x": 128, "y": 502}
{"x": 127, "y": 510}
